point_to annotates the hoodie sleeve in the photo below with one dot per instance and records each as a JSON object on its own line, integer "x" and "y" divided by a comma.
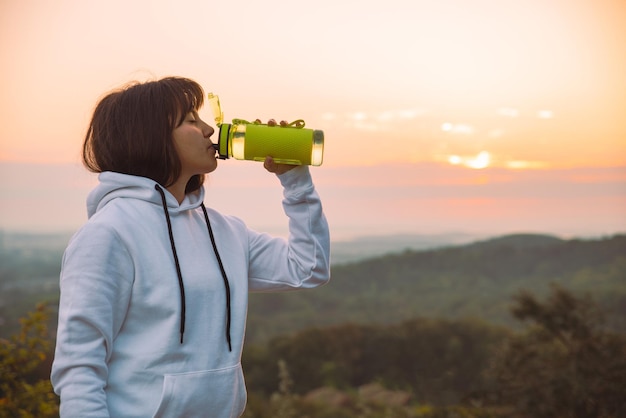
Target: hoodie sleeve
{"x": 303, "y": 261}
{"x": 96, "y": 278}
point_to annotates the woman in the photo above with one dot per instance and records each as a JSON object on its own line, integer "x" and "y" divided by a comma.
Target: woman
{"x": 154, "y": 286}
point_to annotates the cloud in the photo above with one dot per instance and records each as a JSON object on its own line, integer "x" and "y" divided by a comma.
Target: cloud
{"x": 479, "y": 161}
{"x": 511, "y": 112}
{"x": 521, "y": 165}
{"x": 376, "y": 121}
{"x": 459, "y": 128}
{"x": 545, "y": 114}
{"x": 400, "y": 114}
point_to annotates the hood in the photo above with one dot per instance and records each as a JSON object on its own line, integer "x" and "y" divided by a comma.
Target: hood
{"x": 113, "y": 185}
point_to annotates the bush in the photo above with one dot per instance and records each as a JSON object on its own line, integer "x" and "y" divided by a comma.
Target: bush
{"x": 23, "y": 392}
{"x": 565, "y": 364}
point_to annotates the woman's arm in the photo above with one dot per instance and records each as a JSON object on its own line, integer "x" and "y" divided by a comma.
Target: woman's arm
{"x": 95, "y": 288}
{"x": 303, "y": 261}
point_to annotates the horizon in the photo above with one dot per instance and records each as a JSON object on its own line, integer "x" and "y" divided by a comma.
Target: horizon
{"x": 426, "y": 199}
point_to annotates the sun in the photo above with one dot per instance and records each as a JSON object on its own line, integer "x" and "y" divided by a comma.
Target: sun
{"x": 477, "y": 162}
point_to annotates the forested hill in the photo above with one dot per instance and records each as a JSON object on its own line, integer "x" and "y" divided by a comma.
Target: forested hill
{"x": 473, "y": 280}
{"x": 468, "y": 281}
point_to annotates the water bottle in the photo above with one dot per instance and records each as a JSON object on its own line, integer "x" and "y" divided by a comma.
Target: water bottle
{"x": 287, "y": 143}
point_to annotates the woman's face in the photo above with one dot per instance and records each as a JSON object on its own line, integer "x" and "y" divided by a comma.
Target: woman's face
{"x": 194, "y": 147}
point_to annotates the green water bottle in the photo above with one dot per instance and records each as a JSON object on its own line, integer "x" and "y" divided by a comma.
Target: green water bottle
{"x": 287, "y": 143}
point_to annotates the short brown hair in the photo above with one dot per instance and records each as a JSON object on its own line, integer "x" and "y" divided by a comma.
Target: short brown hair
{"x": 131, "y": 130}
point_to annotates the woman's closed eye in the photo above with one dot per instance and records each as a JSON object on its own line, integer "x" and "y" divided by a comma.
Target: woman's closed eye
{"x": 192, "y": 117}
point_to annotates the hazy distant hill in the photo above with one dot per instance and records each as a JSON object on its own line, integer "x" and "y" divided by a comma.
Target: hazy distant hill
{"x": 367, "y": 247}
{"x": 380, "y": 280}
{"x": 30, "y": 264}
{"x": 475, "y": 280}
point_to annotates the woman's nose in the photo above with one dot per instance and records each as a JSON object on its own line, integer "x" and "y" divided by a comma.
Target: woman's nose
{"x": 207, "y": 129}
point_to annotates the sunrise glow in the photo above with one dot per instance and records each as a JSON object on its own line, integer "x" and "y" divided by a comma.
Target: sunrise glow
{"x": 440, "y": 75}
{"x": 446, "y": 87}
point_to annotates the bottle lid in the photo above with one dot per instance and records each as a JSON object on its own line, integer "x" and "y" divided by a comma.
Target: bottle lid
{"x": 214, "y": 102}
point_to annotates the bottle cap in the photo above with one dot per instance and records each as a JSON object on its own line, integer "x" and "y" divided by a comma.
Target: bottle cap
{"x": 214, "y": 102}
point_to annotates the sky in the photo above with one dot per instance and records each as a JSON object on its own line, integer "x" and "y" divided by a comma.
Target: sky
{"x": 488, "y": 116}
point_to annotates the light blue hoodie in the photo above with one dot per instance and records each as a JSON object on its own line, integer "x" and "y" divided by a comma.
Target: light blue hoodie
{"x": 124, "y": 311}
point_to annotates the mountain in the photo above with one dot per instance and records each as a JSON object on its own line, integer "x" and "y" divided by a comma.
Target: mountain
{"x": 365, "y": 247}
{"x": 475, "y": 280}
{"x": 378, "y": 280}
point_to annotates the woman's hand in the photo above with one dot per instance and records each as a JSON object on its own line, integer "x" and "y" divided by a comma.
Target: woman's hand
{"x": 276, "y": 168}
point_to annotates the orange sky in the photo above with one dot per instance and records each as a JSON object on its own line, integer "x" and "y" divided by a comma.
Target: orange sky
{"x": 483, "y": 84}
{"x": 532, "y": 81}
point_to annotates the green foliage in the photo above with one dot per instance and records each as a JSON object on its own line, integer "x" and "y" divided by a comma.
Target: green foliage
{"x": 22, "y": 393}
{"x": 367, "y": 328}
{"x": 470, "y": 281}
{"x": 369, "y": 401}
{"x": 438, "y": 361}
{"x": 565, "y": 364}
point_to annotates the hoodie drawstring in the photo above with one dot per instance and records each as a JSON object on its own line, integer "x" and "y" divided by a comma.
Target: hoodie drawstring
{"x": 226, "y": 284}
{"x": 180, "y": 276}
{"x": 178, "y": 272}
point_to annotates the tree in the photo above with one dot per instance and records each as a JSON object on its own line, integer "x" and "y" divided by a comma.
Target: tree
{"x": 565, "y": 364}
{"x": 22, "y": 393}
